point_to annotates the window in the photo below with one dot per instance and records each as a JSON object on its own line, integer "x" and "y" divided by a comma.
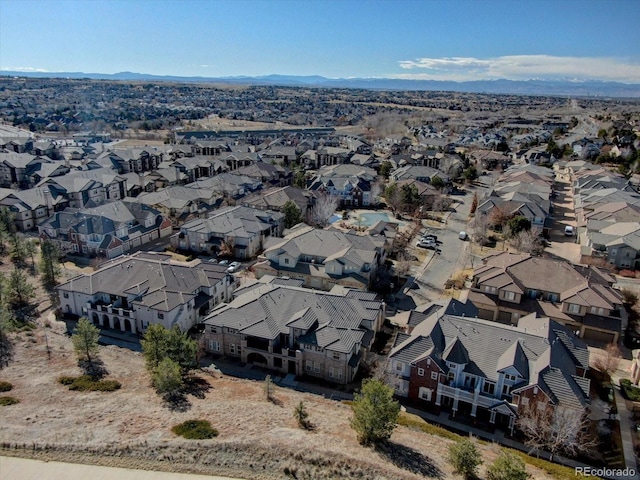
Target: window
{"x": 434, "y": 375}
{"x": 524, "y": 401}
{"x": 511, "y": 296}
{"x": 421, "y": 372}
{"x": 160, "y": 316}
{"x": 214, "y": 346}
{"x": 489, "y": 289}
{"x": 335, "y": 372}
{"x": 316, "y": 367}
{"x": 213, "y": 329}
{"x": 286, "y": 261}
{"x": 506, "y": 389}
{"x": 235, "y": 349}
{"x": 66, "y": 295}
{"x": 451, "y": 377}
{"x": 399, "y": 366}
{"x": 489, "y": 387}
{"x": 509, "y": 377}
{"x": 573, "y": 308}
{"x": 336, "y": 356}
{"x": 553, "y": 297}
{"x": 597, "y": 311}
{"x": 425, "y": 393}
{"x": 308, "y": 366}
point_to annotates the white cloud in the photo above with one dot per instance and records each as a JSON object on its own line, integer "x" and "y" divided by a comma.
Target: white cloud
{"x": 522, "y": 67}
{"x": 23, "y": 69}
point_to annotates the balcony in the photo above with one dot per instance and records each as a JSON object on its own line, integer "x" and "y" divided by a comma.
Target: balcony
{"x": 476, "y": 397}
{"x": 110, "y": 308}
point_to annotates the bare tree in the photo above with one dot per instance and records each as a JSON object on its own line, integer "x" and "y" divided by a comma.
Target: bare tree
{"x": 228, "y": 247}
{"x": 323, "y": 209}
{"x": 558, "y": 429}
{"x": 498, "y": 217}
{"x": 526, "y": 241}
{"x": 403, "y": 265}
{"x": 441, "y": 203}
{"x": 480, "y": 227}
{"x": 608, "y": 360}
{"x": 376, "y": 189}
{"x": 393, "y": 197}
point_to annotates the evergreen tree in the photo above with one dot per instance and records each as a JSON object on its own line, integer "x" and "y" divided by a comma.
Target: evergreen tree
{"x": 375, "y": 412}
{"x": 292, "y": 214}
{"x": 85, "y": 340}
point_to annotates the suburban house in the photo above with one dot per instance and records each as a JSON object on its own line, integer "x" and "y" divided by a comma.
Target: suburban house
{"x": 487, "y": 371}
{"x": 32, "y": 206}
{"x": 87, "y": 188}
{"x": 181, "y": 203}
{"x": 106, "y": 231}
{"x": 417, "y": 172}
{"x": 324, "y": 258}
{"x": 14, "y": 167}
{"x": 275, "y": 199}
{"x": 242, "y": 230}
{"x": 510, "y": 286}
{"x": 284, "y": 327}
{"x": 135, "y": 291}
{"x": 350, "y": 183}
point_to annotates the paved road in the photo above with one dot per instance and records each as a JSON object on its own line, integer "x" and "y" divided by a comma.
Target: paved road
{"x": 453, "y": 251}
{"x": 13, "y": 468}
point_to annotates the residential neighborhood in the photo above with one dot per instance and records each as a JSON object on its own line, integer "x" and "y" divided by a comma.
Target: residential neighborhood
{"x": 480, "y": 267}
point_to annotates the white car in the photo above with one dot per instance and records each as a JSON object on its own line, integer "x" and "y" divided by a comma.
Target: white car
{"x": 233, "y": 267}
{"x": 426, "y": 243}
{"x": 568, "y": 231}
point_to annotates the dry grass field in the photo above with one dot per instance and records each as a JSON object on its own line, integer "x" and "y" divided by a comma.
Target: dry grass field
{"x": 131, "y": 427}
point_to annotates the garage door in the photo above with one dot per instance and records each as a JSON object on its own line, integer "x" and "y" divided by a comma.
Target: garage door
{"x": 597, "y": 337}
{"x": 504, "y": 317}
{"x": 486, "y": 314}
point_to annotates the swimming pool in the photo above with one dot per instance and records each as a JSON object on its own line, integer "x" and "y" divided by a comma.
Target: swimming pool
{"x": 334, "y": 218}
{"x": 370, "y": 219}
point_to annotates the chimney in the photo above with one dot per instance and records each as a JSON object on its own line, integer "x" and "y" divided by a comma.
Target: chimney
{"x": 48, "y": 199}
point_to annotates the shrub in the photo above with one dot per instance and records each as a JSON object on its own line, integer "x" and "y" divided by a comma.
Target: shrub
{"x": 507, "y": 467}
{"x": 465, "y": 458}
{"x": 5, "y": 386}
{"x": 629, "y": 297}
{"x": 195, "y": 430}
{"x": 85, "y": 383}
{"x": 630, "y": 391}
{"x": 6, "y": 401}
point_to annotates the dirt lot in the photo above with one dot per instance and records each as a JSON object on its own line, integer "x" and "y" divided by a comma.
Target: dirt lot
{"x": 131, "y": 427}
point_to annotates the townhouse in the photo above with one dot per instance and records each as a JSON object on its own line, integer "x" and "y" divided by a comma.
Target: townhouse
{"x": 489, "y": 372}
{"x": 237, "y": 231}
{"x": 134, "y": 291}
{"x": 105, "y": 231}
{"x": 284, "y": 327}
{"x": 509, "y": 286}
{"x": 324, "y": 258}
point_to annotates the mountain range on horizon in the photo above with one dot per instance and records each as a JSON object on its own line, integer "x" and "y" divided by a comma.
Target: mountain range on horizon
{"x": 587, "y": 88}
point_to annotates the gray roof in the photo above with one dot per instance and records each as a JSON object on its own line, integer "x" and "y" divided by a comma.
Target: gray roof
{"x": 159, "y": 284}
{"x": 537, "y": 349}
{"x": 265, "y": 311}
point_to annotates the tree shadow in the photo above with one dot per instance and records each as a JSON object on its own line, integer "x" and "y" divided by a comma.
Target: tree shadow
{"x": 177, "y": 402}
{"x": 196, "y": 386}
{"x": 95, "y": 369}
{"x": 275, "y": 400}
{"x": 407, "y": 458}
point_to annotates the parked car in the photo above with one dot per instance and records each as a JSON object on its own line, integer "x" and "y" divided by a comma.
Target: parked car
{"x": 568, "y": 231}
{"x": 430, "y": 236}
{"x": 462, "y": 235}
{"x": 224, "y": 262}
{"x": 426, "y": 243}
{"x": 234, "y": 267}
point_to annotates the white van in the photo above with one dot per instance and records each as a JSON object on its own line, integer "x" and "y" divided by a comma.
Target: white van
{"x": 568, "y": 231}
{"x": 462, "y": 236}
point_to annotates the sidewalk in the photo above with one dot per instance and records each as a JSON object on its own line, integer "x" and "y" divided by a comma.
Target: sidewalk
{"x": 14, "y": 468}
{"x": 627, "y": 425}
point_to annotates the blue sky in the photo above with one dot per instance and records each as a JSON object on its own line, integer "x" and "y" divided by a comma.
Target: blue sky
{"x": 431, "y": 39}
